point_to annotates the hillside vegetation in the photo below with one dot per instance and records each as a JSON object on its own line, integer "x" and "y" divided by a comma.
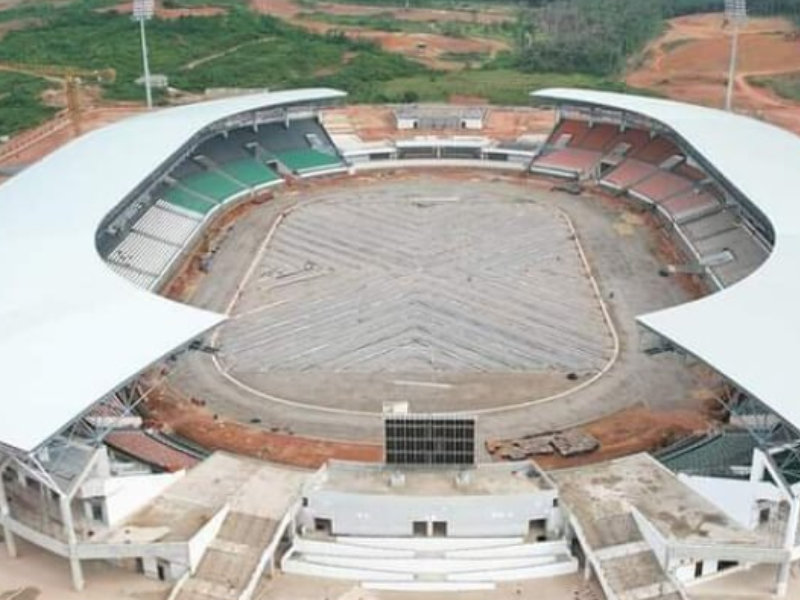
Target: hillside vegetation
{"x": 20, "y": 104}
{"x": 284, "y": 56}
{"x": 587, "y": 43}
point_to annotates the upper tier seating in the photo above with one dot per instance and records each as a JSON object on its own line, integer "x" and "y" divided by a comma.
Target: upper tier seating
{"x": 188, "y": 200}
{"x": 657, "y": 150}
{"x": 598, "y": 137}
{"x": 661, "y": 185}
{"x": 688, "y": 205}
{"x": 627, "y": 173}
{"x": 251, "y": 172}
{"x": 689, "y": 172}
{"x": 216, "y": 186}
{"x": 222, "y": 149}
{"x": 307, "y": 160}
{"x": 567, "y": 133}
{"x": 635, "y": 139}
{"x": 716, "y": 454}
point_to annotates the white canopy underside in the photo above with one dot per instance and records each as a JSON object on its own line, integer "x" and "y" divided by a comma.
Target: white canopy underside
{"x": 72, "y": 331}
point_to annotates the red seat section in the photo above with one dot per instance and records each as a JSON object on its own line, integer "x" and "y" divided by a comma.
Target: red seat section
{"x": 598, "y": 137}
{"x": 661, "y": 185}
{"x": 657, "y": 150}
{"x": 635, "y": 138}
{"x": 627, "y": 173}
{"x": 690, "y": 172}
{"x": 575, "y": 129}
{"x": 573, "y": 160}
{"x": 688, "y": 205}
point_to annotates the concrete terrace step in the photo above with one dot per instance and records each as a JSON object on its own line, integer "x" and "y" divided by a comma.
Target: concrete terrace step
{"x": 428, "y": 586}
{"x": 424, "y": 544}
{"x": 308, "y": 546}
{"x": 420, "y": 566}
{"x": 561, "y": 567}
{"x": 299, "y": 567}
{"x": 510, "y": 551}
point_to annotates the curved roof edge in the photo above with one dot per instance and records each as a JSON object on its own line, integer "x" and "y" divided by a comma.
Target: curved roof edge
{"x": 749, "y": 332}
{"x": 71, "y": 330}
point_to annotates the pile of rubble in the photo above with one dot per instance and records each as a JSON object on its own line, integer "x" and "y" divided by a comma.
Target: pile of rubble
{"x": 566, "y": 443}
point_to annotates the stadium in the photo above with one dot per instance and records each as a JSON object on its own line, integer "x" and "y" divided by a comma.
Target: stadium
{"x": 408, "y": 336}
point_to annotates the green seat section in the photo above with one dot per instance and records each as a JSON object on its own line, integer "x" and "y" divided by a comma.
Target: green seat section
{"x": 713, "y": 455}
{"x": 213, "y": 185}
{"x": 306, "y": 160}
{"x": 250, "y": 171}
{"x": 187, "y": 200}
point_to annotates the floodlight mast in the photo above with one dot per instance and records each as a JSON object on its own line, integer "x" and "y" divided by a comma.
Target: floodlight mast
{"x": 735, "y": 15}
{"x": 142, "y": 11}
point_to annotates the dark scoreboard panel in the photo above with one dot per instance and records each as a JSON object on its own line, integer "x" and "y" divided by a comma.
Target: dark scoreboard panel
{"x": 421, "y": 440}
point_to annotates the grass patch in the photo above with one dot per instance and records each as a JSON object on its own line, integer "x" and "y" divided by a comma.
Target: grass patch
{"x": 465, "y": 57}
{"x": 497, "y": 86}
{"x": 394, "y": 23}
{"x": 20, "y": 102}
{"x": 786, "y": 86}
{"x": 675, "y": 44}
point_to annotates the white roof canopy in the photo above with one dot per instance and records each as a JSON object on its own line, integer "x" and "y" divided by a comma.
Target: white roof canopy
{"x": 72, "y": 331}
{"x": 749, "y": 332}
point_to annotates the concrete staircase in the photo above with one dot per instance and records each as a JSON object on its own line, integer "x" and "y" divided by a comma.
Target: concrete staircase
{"x": 231, "y": 559}
{"x": 627, "y": 567}
{"x": 428, "y": 564}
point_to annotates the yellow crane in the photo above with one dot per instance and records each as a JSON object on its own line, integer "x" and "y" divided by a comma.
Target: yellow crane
{"x": 71, "y": 79}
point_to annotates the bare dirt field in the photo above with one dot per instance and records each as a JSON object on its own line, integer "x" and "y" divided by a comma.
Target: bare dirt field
{"x": 171, "y": 411}
{"x": 690, "y": 61}
{"x": 426, "y": 48}
{"x": 287, "y": 9}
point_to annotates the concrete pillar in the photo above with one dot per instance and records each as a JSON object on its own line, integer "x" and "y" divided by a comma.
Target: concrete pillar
{"x": 758, "y": 467}
{"x": 782, "y": 583}
{"x": 69, "y": 530}
{"x": 5, "y": 514}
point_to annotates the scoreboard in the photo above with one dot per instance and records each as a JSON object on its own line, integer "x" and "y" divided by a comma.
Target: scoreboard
{"x": 429, "y": 440}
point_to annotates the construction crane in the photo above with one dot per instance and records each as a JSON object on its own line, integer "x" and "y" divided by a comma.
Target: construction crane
{"x": 71, "y": 79}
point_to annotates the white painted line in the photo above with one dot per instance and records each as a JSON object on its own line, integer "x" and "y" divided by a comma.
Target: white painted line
{"x": 444, "y": 386}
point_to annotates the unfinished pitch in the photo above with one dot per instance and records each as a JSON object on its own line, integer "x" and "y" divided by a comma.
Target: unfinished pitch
{"x": 432, "y": 296}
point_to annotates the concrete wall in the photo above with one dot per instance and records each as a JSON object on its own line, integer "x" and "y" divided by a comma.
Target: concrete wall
{"x": 199, "y": 543}
{"x": 123, "y": 496}
{"x": 394, "y": 515}
{"x": 737, "y": 498}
